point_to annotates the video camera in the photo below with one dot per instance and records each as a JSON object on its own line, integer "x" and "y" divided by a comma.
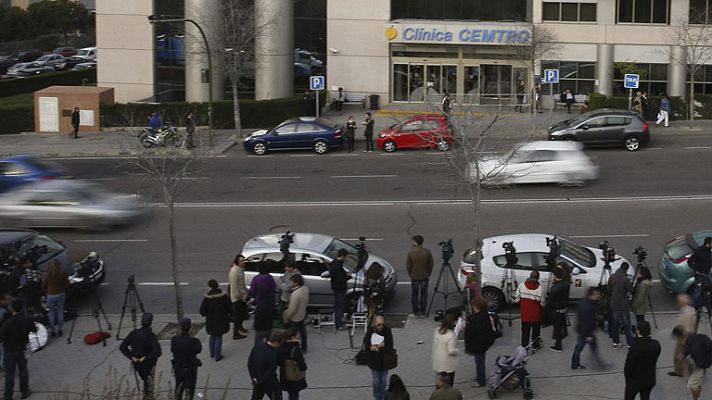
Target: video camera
{"x": 34, "y": 253}
{"x": 554, "y": 250}
{"x": 641, "y": 253}
{"x": 609, "y": 253}
{"x": 285, "y": 241}
{"x": 447, "y": 249}
{"x": 510, "y": 253}
{"x": 456, "y": 312}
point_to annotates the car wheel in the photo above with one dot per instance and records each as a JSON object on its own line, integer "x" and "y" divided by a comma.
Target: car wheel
{"x": 145, "y": 141}
{"x": 321, "y": 147}
{"x": 389, "y": 146}
{"x": 632, "y": 143}
{"x": 259, "y": 148}
{"x": 443, "y": 145}
{"x": 495, "y": 297}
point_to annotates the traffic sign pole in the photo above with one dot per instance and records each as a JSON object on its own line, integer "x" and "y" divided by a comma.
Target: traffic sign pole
{"x": 630, "y": 99}
{"x": 316, "y": 83}
{"x": 317, "y": 103}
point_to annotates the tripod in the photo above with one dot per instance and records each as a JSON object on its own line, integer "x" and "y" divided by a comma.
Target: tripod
{"x": 97, "y": 313}
{"x": 509, "y": 284}
{"x": 132, "y": 298}
{"x": 443, "y": 279}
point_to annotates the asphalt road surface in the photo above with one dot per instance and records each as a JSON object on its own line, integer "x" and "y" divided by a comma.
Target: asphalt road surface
{"x": 643, "y": 198}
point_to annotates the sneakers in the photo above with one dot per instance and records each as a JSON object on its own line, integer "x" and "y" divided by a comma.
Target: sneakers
{"x": 556, "y": 349}
{"x": 616, "y": 346}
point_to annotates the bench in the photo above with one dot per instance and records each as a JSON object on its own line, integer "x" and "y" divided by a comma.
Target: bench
{"x": 578, "y": 100}
{"x": 351, "y": 98}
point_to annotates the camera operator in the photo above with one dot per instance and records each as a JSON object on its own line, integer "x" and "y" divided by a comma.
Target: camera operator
{"x": 185, "y": 349}
{"x": 419, "y": 265}
{"x": 339, "y": 277}
{"x": 31, "y": 285}
{"x": 620, "y": 291}
{"x": 557, "y": 302}
{"x": 701, "y": 260}
{"x": 141, "y": 346}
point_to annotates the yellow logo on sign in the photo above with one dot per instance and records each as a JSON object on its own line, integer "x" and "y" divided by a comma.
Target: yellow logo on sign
{"x": 391, "y": 33}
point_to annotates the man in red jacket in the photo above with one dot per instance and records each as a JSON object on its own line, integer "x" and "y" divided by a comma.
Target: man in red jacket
{"x": 529, "y": 295}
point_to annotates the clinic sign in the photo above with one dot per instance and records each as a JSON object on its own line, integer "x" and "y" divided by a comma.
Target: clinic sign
{"x": 458, "y": 34}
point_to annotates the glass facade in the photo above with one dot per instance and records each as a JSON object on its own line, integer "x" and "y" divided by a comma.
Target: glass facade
{"x": 169, "y": 52}
{"x": 703, "y": 79}
{"x": 460, "y": 10}
{"x": 576, "y": 76}
{"x": 653, "y": 79}
{"x": 643, "y": 11}
{"x": 700, "y": 12}
{"x": 569, "y": 12}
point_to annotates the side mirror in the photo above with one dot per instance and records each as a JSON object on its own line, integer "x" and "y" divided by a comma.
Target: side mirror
{"x": 577, "y": 271}
{"x": 584, "y": 127}
{"x": 325, "y": 274}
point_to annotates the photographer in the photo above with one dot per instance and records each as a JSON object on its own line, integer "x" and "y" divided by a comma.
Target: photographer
{"x": 339, "y": 278}
{"x": 620, "y": 291}
{"x": 185, "y": 349}
{"x": 419, "y": 265}
{"x": 701, "y": 260}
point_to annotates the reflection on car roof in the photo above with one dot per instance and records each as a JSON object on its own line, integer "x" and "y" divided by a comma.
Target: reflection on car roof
{"x": 524, "y": 242}
{"x": 308, "y": 241}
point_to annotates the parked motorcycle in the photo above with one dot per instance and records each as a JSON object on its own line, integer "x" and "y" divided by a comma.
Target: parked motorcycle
{"x": 168, "y": 134}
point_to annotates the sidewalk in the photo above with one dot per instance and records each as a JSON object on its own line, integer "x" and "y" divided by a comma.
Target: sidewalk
{"x": 332, "y": 375}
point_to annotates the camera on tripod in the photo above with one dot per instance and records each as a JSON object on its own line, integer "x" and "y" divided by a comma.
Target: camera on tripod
{"x": 554, "y": 251}
{"x": 285, "y": 241}
{"x": 609, "y": 253}
{"x": 641, "y": 253}
{"x": 447, "y": 249}
{"x": 510, "y": 253}
{"x": 35, "y": 252}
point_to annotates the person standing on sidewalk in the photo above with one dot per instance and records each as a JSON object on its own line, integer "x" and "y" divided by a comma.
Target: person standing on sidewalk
{"x": 699, "y": 348}
{"x": 641, "y": 294}
{"x": 379, "y": 341}
{"x": 684, "y": 326}
{"x": 558, "y": 301}
{"x": 189, "y": 130}
{"x": 586, "y": 329}
{"x": 444, "y": 389}
{"x": 339, "y": 278}
{"x": 296, "y": 312}
{"x": 285, "y": 282}
{"x": 293, "y": 380}
{"x": 530, "y": 296}
{"x": 620, "y": 290}
{"x": 350, "y": 133}
{"x": 445, "y": 348}
{"x": 262, "y": 366}
{"x": 479, "y": 337}
{"x": 142, "y": 348}
{"x": 76, "y": 119}
{"x": 520, "y": 97}
{"x": 216, "y": 310}
{"x": 396, "y": 389}
{"x": 262, "y": 289}
{"x": 368, "y": 132}
{"x": 664, "y": 116}
{"x": 640, "y": 364}
{"x": 185, "y": 350}
{"x": 56, "y": 283}
{"x": 419, "y": 265}
{"x": 14, "y": 336}
{"x": 536, "y": 104}
{"x": 238, "y": 296}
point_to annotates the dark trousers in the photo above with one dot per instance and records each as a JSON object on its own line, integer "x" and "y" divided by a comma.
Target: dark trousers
{"x": 350, "y": 142}
{"x": 189, "y": 144}
{"x": 480, "y": 368}
{"x": 520, "y": 103}
{"x": 147, "y": 374}
{"x": 558, "y": 320}
{"x": 639, "y": 318}
{"x": 369, "y": 142}
{"x": 12, "y": 360}
{"x": 293, "y": 394}
{"x": 632, "y": 390}
{"x": 580, "y": 343}
{"x": 75, "y": 130}
{"x": 302, "y": 328}
{"x": 271, "y": 389}
{"x": 186, "y": 378}
{"x": 239, "y": 315}
{"x": 419, "y": 295}
{"x": 532, "y": 329}
{"x": 339, "y": 303}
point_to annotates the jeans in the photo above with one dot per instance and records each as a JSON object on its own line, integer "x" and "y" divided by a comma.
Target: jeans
{"x": 480, "y": 368}
{"x": 631, "y": 390}
{"x": 302, "y": 328}
{"x": 12, "y": 360}
{"x": 215, "y": 345}
{"x": 293, "y": 394}
{"x": 580, "y": 343}
{"x": 533, "y": 329}
{"x": 618, "y": 317}
{"x": 419, "y": 296}
{"x": 380, "y": 381}
{"x": 339, "y": 302}
{"x": 55, "y": 303}
{"x": 186, "y": 378}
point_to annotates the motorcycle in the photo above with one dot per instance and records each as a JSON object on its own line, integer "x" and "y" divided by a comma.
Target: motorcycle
{"x": 168, "y": 134}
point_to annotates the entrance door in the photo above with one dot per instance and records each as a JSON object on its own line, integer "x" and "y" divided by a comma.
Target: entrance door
{"x": 471, "y": 94}
{"x": 496, "y": 84}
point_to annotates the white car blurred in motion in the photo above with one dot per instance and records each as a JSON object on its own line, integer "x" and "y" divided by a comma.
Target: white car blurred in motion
{"x": 564, "y": 163}
{"x": 68, "y": 203}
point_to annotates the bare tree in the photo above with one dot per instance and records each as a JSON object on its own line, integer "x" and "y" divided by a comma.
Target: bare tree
{"x": 543, "y": 45}
{"x": 696, "y": 42}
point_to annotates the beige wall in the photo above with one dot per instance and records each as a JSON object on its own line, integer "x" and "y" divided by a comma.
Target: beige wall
{"x": 125, "y": 42}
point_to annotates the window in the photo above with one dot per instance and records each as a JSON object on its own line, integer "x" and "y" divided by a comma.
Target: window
{"x": 570, "y": 12}
{"x": 596, "y": 122}
{"x": 700, "y": 12}
{"x": 411, "y": 126}
{"x": 576, "y": 76}
{"x": 459, "y": 10}
{"x": 289, "y": 128}
{"x": 617, "y": 121}
{"x": 644, "y": 11}
{"x": 309, "y": 264}
{"x": 653, "y": 78}
{"x": 306, "y": 128}
{"x": 703, "y": 79}
{"x": 524, "y": 261}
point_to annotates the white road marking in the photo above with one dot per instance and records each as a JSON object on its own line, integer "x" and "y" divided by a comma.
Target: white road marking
{"x": 302, "y": 155}
{"x": 434, "y": 153}
{"x": 270, "y": 177}
{"x": 654, "y": 148}
{"x": 608, "y": 236}
{"x": 109, "y": 240}
{"x": 343, "y": 155}
{"x": 356, "y": 239}
{"x": 161, "y": 283}
{"x": 402, "y": 283}
{"x": 698, "y": 147}
{"x": 256, "y": 156}
{"x": 362, "y": 176}
{"x": 391, "y": 154}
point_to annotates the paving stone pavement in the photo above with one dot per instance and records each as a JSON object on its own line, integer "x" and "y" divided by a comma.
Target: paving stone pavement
{"x": 75, "y": 368}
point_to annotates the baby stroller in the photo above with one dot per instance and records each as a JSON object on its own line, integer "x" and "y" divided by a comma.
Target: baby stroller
{"x": 510, "y": 374}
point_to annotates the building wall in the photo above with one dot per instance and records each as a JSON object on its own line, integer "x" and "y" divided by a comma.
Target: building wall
{"x": 125, "y": 42}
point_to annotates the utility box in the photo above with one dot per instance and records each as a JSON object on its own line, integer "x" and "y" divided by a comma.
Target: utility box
{"x": 54, "y": 105}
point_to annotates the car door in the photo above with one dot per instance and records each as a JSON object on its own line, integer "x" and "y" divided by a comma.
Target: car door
{"x": 614, "y": 131}
{"x": 306, "y": 133}
{"x": 407, "y": 136}
{"x": 313, "y": 266}
{"x": 519, "y": 168}
{"x": 428, "y": 134}
{"x": 592, "y": 131}
{"x": 512, "y": 277}
{"x": 283, "y": 136}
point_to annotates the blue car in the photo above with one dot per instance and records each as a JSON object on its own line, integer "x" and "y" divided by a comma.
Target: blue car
{"x": 319, "y": 134}
{"x": 675, "y": 275}
{"x": 18, "y": 170}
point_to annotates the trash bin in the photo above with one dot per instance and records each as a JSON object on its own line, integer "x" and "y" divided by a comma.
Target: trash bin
{"x": 373, "y": 101}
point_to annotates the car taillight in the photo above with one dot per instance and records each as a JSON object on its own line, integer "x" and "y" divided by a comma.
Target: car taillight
{"x": 47, "y": 177}
{"x": 338, "y": 133}
{"x": 467, "y": 270}
{"x": 681, "y": 259}
{"x": 645, "y": 126}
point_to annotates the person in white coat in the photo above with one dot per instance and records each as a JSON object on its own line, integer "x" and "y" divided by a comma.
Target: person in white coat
{"x": 444, "y": 348}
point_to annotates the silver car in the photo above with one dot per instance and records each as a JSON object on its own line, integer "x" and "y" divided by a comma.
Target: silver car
{"x": 68, "y": 203}
{"x": 313, "y": 253}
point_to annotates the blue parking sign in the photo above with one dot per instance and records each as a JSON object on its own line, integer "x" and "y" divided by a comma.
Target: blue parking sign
{"x": 316, "y": 82}
{"x": 551, "y": 76}
{"x": 631, "y": 81}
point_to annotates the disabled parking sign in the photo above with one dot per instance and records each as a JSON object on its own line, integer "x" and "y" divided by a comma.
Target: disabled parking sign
{"x": 631, "y": 81}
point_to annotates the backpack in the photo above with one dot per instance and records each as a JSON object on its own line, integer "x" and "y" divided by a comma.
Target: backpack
{"x": 292, "y": 372}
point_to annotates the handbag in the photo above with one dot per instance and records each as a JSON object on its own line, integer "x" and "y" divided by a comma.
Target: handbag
{"x": 292, "y": 372}
{"x": 390, "y": 359}
{"x": 362, "y": 357}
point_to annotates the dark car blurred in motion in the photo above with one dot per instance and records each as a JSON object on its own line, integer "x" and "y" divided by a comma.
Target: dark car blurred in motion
{"x": 19, "y": 170}
{"x": 68, "y": 204}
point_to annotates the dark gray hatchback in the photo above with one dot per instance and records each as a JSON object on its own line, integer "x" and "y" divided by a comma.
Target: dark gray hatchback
{"x": 604, "y": 127}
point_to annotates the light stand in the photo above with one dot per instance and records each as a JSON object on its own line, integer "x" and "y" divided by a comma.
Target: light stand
{"x": 132, "y": 299}
{"x": 447, "y": 253}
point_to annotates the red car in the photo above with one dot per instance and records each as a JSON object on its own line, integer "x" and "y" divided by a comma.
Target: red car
{"x": 417, "y": 132}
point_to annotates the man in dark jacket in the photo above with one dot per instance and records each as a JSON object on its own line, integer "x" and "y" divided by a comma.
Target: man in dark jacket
{"x": 339, "y": 278}
{"x": 262, "y": 366}
{"x": 14, "y": 336}
{"x": 586, "y": 327}
{"x": 557, "y": 302}
{"x": 699, "y": 348}
{"x": 701, "y": 260}
{"x": 75, "y": 122}
{"x": 142, "y": 348}
{"x": 419, "y": 265}
{"x": 620, "y": 291}
{"x": 640, "y": 364}
{"x": 376, "y": 351}
{"x": 185, "y": 349}
{"x": 444, "y": 389}
{"x": 368, "y": 132}
{"x": 479, "y": 337}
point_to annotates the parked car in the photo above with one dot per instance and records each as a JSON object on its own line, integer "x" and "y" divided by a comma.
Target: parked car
{"x": 21, "y": 70}
{"x": 564, "y": 163}
{"x": 68, "y": 204}
{"x": 604, "y": 127}
{"x": 313, "y": 253}
{"x": 499, "y": 282}
{"x": 675, "y": 275}
{"x": 306, "y": 58}
{"x": 67, "y": 63}
{"x": 48, "y": 58}
{"x": 417, "y": 132}
{"x": 84, "y": 65}
{"x": 319, "y": 134}
{"x": 84, "y": 276}
{"x": 66, "y": 51}
{"x": 23, "y": 169}
{"x": 87, "y": 53}
{"x": 20, "y": 56}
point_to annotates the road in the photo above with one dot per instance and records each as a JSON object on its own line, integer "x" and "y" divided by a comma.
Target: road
{"x": 644, "y": 198}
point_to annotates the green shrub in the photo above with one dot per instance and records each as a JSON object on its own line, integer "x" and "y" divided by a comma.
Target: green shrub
{"x": 11, "y": 87}
{"x": 677, "y": 104}
{"x": 18, "y": 118}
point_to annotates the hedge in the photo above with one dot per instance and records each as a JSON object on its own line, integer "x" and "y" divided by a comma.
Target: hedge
{"x": 677, "y": 104}
{"x": 17, "y": 118}
{"x": 11, "y": 87}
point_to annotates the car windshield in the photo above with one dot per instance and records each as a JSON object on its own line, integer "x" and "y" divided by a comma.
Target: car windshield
{"x": 83, "y": 52}
{"x": 577, "y": 253}
{"x": 351, "y": 260}
{"x": 53, "y": 248}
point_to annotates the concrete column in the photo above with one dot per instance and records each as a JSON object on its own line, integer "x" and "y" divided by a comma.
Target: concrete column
{"x": 274, "y": 49}
{"x": 206, "y": 13}
{"x": 677, "y": 72}
{"x": 604, "y": 69}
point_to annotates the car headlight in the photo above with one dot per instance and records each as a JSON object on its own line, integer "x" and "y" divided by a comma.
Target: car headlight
{"x": 381, "y": 135}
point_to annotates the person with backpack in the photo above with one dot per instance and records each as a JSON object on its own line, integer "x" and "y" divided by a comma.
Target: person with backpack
{"x": 292, "y": 366}
{"x": 699, "y": 348}
{"x": 479, "y": 337}
{"x": 557, "y": 301}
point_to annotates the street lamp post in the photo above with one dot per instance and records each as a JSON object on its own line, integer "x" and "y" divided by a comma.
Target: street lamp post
{"x": 158, "y": 19}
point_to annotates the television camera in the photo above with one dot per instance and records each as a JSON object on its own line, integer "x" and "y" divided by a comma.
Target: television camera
{"x": 285, "y": 241}
{"x": 554, "y": 251}
{"x": 510, "y": 253}
{"x": 447, "y": 249}
{"x": 609, "y": 253}
{"x": 641, "y": 253}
